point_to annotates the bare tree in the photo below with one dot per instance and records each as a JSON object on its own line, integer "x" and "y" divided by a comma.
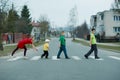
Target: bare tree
{"x": 73, "y": 20}
{"x": 44, "y": 25}
{"x": 4, "y": 4}
{"x": 116, "y": 4}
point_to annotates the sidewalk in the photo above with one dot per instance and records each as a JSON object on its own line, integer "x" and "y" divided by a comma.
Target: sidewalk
{"x": 10, "y": 44}
{"x": 107, "y": 44}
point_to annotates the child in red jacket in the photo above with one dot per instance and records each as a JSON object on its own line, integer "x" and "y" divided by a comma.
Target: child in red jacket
{"x": 21, "y": 44}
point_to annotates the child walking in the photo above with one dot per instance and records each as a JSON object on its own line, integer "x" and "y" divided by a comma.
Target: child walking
{"x": 45, "y": 49}
{"x": 93, "y": 46}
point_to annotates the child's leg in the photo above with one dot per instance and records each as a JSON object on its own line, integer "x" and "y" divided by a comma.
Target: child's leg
{"x": 25, "y": 50}
{"x": 43, "y": 55}
{"x": 15, "y": 51}
{"x": 46, "y": 54}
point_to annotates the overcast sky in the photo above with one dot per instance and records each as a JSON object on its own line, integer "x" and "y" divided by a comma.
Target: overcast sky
{"x": 58, "y": 10}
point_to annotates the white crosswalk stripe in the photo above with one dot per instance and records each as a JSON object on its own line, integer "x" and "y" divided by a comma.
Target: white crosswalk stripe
{"x": 16, "y": 58}
{"x": 55, "y": 58}
{"x": 96, "y": 59}
{"x": 113, "y": 57}
{"x": 92, "y": 57}
{"x": 35, "y": 58}
{"x": 76, "y": 58}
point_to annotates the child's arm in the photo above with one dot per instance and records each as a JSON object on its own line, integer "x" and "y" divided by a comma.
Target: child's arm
{"x": 33, "y": 46}
{"x": 48, "y": 47}
{"x": 90, "y": 40}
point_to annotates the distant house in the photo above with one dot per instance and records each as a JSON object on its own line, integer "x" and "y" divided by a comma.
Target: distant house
{"x": 106, "y": 23}
{"x": 35, "y": 31}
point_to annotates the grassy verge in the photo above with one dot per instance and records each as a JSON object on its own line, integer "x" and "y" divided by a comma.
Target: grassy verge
{"x": 9, "y": 49}
{"x": 106, "y": 47}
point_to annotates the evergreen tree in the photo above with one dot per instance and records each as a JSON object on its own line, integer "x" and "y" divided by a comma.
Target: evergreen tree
{"x": 25, "y": 14}
{"x": 13, "y": 17}
{"x": 25, "y": 19}
{"x": 11, "y": 20}
{"x": 82, "y": 31}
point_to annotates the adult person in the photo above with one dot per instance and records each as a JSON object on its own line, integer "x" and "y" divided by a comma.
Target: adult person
{"x": 62, "y": 46}
{"x": 93, "y": 45}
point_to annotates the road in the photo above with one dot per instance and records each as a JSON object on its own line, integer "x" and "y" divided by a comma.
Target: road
{"x": 76, "y": 68}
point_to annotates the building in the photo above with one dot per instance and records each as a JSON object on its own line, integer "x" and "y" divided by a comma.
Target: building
{"x": 106, "y": 23}
{"x": 35, "y": 31}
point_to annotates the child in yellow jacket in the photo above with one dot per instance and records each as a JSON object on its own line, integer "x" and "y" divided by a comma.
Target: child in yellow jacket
{"x": 45, "y": 49}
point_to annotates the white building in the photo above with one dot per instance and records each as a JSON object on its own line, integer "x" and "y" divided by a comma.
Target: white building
{"x": 107, "y": 23}
{"x": 35, "y": 31}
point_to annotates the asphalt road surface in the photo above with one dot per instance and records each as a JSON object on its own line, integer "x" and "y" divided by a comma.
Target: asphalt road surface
{"x": 75, "y": 68}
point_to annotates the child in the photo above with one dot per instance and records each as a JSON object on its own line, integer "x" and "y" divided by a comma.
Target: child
{"x": 21, "y": 44}
{"x": 62, "y": 46}
{"x": 93, "y": 46}
{"x": 45, "y": 49}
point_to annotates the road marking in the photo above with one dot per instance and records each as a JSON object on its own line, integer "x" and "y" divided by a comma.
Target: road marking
{"x": 16, "y": 58}
{"x": 76, "y": 58}
{"x": 96, "y": 59}
{"x": 5, "y": 57}
{"x": 35, "y": 58}
{"x": 113, "y": 57}
{"x": 92, "y": 57}
{"x": 55, "y": 58}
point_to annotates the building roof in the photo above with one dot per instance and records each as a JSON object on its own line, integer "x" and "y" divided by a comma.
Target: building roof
{"x": 35, "y": 24}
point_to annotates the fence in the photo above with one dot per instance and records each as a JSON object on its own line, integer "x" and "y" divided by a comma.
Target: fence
{"x": 9, "y": 38}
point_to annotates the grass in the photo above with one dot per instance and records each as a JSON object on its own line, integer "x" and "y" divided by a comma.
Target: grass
{"x": 106, "y": 47}
{"x": 8, "y": 49}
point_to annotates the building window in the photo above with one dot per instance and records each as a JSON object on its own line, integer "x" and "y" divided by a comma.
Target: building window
{"x": 116, "y": 18}
{"x": 116, "y": 29}
{"x": 102, "y": 16}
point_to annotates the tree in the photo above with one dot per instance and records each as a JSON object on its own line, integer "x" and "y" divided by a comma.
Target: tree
{"x": 4, "y": 4}
{"x": 73, "y": 20}
{"x": 82, "y": 31}
{"x": 116, "y": 5}
{"x": 12, "y": 18}
{"x": 44, "y": 25}
{"x": 25, "y": 14}
{"x": 1, "y": 28}
{"x": 3, "y": 14}
{"x": 25, "y": 20}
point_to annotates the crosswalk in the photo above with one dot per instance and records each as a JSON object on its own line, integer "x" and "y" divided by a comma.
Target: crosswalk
{"x": 113, "y": 57}
{"x": 15, "y": 58}
{"x": 35, "y": 58}
{"x": 77, "y": 58}
{"x": 96, "y": 59}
